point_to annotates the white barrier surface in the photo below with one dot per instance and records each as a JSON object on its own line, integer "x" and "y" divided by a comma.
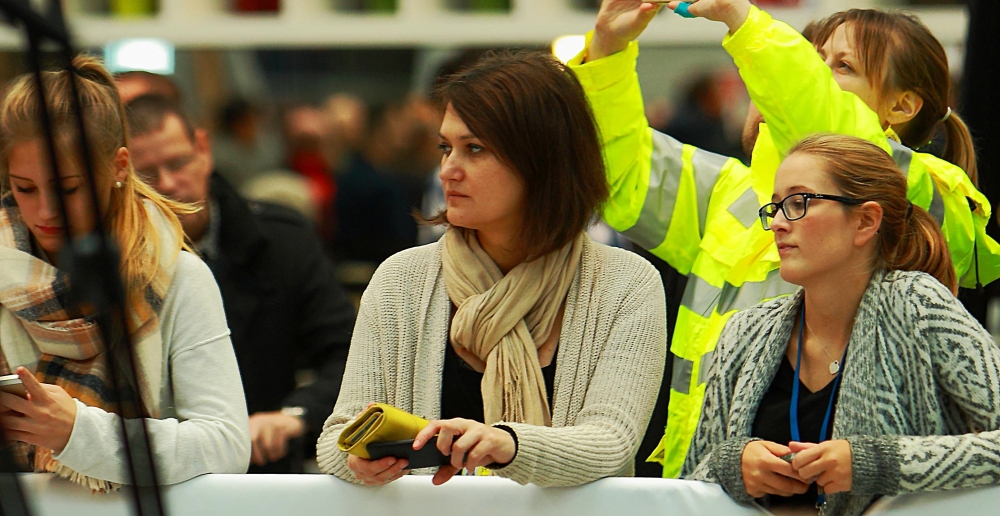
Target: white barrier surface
{"x": 301, "y": 495}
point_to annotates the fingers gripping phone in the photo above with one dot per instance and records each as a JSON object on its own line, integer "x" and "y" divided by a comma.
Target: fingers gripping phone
{"x": 427, "y": 456}
{"x": 11, "y": 384}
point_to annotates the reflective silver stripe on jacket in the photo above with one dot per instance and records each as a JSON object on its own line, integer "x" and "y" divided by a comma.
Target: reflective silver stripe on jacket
{"x": 753, "y": 292}
{"x": 707, "y": 167}
{"x": 681, "y": 379}
{"x": 684, "y": 368}
{"x": 746, "y": 209}
{"x": 903, "y": 156}
{"x": 701, "y": 298}
{"x": 664, "y": 181}
{"x": 666, "y": 164}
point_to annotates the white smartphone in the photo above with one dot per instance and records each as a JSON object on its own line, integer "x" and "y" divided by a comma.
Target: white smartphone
{"x": 11, "y": 384}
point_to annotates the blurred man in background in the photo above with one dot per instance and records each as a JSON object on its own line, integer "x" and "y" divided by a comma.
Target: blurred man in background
{"x": 285, "y": 309}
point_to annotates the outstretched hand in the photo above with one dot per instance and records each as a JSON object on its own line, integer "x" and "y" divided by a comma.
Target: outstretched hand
{"x": 618, "y": 23}
{"x": 731, "y": 12}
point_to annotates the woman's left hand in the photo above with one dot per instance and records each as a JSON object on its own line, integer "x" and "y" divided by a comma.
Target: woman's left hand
{"x": 469, "y": 443}
{"x": 830, "y": 463}
{"x": 44, "y": 419}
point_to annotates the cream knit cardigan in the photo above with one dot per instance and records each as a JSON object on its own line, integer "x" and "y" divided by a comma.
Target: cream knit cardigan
{"x": 610, "y": 362}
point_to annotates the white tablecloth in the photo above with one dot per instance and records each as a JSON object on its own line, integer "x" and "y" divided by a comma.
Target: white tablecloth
{"x": 301, "y": 495}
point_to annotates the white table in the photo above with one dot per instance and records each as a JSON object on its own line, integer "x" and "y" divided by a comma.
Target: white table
{"x": 301, "y": 495}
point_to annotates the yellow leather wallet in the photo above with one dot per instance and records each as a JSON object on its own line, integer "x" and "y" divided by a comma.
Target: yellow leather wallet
{"x": 379, "y": 423}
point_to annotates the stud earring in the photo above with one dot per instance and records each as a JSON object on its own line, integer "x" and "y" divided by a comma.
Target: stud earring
{"x": 118, "y": 184}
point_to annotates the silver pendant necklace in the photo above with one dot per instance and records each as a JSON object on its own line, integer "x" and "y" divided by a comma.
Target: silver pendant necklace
{"x": 835, "y": 364}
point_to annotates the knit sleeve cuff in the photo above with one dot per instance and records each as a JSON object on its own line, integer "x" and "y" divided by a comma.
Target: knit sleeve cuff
{"x": 513, "y": 435}
{"x": 875, "y": 465}
{"x": 726, "y": 464}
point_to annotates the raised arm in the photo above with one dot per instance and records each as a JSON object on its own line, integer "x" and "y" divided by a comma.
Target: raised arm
{"x": 786, "y": 78}
{"x": 661, "y": 189}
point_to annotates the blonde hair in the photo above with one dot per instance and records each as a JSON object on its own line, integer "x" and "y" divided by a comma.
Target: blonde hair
{"x": 899, "y": 53}
{"x": 106, "y": 129}
{"x": 909, "y": 239}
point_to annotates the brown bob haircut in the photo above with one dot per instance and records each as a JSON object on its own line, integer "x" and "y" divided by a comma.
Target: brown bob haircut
{"x": 531, "y": 111}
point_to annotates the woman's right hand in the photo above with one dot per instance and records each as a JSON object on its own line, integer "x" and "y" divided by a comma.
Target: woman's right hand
{"x": 618, "y": 23}
{"x": 731, "y": 12}
{"x": 376, "y": 472}
{"x": 765, "y": 472}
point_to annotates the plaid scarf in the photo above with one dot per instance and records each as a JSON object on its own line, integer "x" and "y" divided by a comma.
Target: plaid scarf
{"x": 39, "y": 324}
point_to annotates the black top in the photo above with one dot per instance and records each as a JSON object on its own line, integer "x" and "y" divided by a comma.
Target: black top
{"x": 773, "y": 424}
{"x": 461, "y": 392}
{"x": 285, "y": 309}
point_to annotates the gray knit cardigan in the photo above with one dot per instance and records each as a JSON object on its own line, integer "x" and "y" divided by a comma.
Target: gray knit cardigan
{"x": 919, "y": 398}
{"x": 612, "y": 348}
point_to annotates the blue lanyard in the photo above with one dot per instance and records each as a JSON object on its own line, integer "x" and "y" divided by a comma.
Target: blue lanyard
{"x": 793, "y": 410}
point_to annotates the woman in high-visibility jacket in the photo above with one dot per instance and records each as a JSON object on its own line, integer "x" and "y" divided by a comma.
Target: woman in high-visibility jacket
{"x": 697, "y": 210}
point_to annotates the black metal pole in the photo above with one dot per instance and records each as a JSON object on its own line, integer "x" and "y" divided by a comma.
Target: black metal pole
{"x": 12, "y": 500}
{"x": 93, "y": 257}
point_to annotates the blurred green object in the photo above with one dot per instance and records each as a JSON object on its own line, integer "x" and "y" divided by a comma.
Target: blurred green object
{"x": 382, "y": 6}
{"x": 133, "y": 7}
{"x": 480, "y": 5}
{"x": 490, "y": 5}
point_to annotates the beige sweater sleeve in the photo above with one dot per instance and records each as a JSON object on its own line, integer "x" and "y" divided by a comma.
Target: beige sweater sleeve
{"x": 362, "y": 384}
{"x": 604, "y": 438}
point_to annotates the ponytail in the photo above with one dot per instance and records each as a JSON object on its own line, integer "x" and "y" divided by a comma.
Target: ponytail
{"x": 959, "y": 148}
{"x": 921, "y": 247}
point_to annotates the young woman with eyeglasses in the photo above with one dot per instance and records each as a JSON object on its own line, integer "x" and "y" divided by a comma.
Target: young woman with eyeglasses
{"x": 877, "y": 75}
{"x": 872, "y": 373}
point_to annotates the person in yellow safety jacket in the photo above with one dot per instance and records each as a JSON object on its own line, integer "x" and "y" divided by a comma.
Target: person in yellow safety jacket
{"x": 698, "y": 210}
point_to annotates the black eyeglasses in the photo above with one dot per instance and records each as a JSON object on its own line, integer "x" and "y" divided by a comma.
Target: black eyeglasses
{"x": 794, "y": 206}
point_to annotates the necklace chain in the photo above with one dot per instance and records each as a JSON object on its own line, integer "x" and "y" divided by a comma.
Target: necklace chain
{"x": 834, "y": 367}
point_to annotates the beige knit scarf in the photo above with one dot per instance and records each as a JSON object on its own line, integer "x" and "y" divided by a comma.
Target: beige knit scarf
{"x": 503, "y": 319}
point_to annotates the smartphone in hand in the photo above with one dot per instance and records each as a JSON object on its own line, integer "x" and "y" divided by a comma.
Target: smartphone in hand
{"x": 11, "y": 384}
{"x": 426, "y": 457}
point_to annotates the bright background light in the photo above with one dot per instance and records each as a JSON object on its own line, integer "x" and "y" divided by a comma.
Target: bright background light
{"x": 567, "y": 47}
{"x": 150, "y": 55}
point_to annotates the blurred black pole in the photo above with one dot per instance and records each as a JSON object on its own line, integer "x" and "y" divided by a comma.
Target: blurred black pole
{"x": 12, "y": 501}
{"x": 980, "y": 108}
{"x": 92, "y": 258}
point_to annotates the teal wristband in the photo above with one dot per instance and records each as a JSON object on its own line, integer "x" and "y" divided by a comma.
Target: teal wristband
{"x": 682, "y": 10}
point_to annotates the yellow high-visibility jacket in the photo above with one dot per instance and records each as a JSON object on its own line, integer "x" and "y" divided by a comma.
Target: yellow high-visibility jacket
{"x": 698, "y": 210}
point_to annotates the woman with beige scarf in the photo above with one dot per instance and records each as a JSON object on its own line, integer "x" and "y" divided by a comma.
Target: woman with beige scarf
{"x": 186, "y": 384}
{"x": 535, "y": 352}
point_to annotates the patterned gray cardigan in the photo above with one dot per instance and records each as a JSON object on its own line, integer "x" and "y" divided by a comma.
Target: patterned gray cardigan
{"x": 919, "y": 398}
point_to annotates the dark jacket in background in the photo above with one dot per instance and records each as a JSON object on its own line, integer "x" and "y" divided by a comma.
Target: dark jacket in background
{"x": 285, "y": 309}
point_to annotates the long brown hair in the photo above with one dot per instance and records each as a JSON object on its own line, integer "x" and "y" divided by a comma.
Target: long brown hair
{"x": 107, "y": 131}
{"x": 898, "y": 53}
{"x": 909, "y": 239}
{"x": 532, "y": 111}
